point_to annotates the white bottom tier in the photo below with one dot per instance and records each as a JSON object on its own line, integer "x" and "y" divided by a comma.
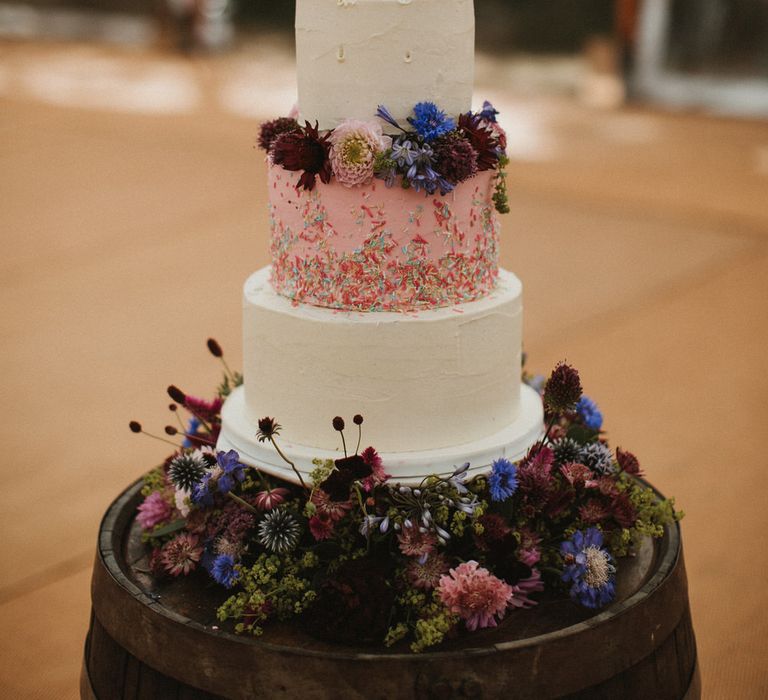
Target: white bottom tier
{"x": 427, "y": 380}
{"x": 512, "y": 442}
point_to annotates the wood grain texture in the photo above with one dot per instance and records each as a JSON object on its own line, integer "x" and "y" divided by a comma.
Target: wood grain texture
{"x": 149, "y": 641}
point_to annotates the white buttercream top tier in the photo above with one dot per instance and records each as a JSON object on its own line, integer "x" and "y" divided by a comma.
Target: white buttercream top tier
{"x": 353, "y": 55}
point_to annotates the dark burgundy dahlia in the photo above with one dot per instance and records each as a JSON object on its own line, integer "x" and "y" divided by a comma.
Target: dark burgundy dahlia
{"x": 454, "y": 158}
{"x": 483, "y": 139}
{"x": 304, "y": 150}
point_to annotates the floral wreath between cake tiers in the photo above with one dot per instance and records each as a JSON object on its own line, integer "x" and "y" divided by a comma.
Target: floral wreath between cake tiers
{"x": 435, "y": 154}
{"x": 353, "y": 558}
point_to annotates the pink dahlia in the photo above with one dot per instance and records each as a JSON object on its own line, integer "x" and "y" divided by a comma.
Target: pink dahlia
{"x": 153, "y": 511}
{"x": 181, "y": 554}
{"x": 416, "y": 541}
{"x": 378, "y": 474}
{"x": 523, "y": 587}
{"x": 475, "y": 595}
{"x": 354, "y": 147}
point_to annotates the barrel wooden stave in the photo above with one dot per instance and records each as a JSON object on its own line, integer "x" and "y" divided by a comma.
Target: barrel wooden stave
{"x": 640, "y": 647}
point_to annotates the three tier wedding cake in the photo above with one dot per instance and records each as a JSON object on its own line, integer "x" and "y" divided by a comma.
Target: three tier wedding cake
{"x": 384, "y": 297}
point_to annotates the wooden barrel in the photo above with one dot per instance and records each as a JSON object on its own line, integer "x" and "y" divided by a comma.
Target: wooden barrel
{"x": 152, "y": 641}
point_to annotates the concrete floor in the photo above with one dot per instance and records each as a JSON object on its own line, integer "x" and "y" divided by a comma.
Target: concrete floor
{"x": 133, "y": 208}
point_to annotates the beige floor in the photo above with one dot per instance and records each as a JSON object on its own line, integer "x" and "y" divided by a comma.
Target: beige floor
{"x": 130, "y": 224}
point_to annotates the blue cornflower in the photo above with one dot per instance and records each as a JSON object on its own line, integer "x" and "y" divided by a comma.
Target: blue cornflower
{"x": 383, "y": 113}
{"x": 430, "y": 121}
{"x": 224, "y": 572}
{"x": 192, "y": 426}
{"x": 489, "y": 112}
{"x": 502, "y": 482}
{"x": 590, "y": 569}
{"x": 589, "y": 413}
{"x": 232, "y": 470}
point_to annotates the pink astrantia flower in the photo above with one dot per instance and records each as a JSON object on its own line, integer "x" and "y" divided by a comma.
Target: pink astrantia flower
{"x": 522, "y": 588}
{"x": 416, "y": 542}
{"x": 336, "y": 510}
{"x": 181, "y": 554}
{"x": 153, "y": 511}
{"x": 426, "y": 576}
{"x": 378, "y": 475}
{"x": 269, "y": 498}
{"x": 354, "y": 146}
{"x": 475, "y": 595}
{"x": 321, "y": 526}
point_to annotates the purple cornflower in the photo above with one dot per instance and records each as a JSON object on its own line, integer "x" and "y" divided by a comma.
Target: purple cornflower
{"x": 502, "y": 482}
{"x": 430, "y": 121}
{"x": 590, "y": 569}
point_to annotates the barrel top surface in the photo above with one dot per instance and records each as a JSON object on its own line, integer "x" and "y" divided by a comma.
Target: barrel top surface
{"x": 192, "y": 601}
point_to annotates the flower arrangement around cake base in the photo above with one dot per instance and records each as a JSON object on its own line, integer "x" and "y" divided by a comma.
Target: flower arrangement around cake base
{"x": 354, "y": 558}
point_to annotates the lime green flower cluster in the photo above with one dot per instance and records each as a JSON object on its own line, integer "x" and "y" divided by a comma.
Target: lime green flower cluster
{"x": 274, "y": 586}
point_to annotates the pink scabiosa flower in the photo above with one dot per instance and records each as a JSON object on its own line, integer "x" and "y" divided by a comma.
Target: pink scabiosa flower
{"x": 523, "y": 587}
{"x": 475, "y": 595}
{"x": 417, "y": 541}
{"x": 426, "y": 575}
{"x": 354, "y": 147}
{"x": 378, "y": 474}
{"x": 321, "y": 526}
{"x": 153, "y": 511}
{"x": 336, "y": 510}
{"x": 269, "y": 498}
{"x": 181, "y": 554}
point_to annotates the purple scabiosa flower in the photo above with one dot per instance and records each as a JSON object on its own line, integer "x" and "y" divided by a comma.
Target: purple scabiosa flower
{"x": 224, "y": 572}
{"x": 430, "y": 121}
{"x": 502, "y": 482}
{"x": 232, "y": 470}
{"x": 270, "y": 130}
{"x": 589, "y": 413}
{"x": 455, "y": 159}
{"x": 589, "y": 568}
{"x": 153, "y": 511}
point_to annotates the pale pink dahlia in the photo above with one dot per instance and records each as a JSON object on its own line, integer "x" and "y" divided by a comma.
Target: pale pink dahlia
{"x": 153, "y": 511}
{"x": 523, "y": 587}
{"x": 354, "y": 146}
{"x": 181, "y": 554}
{"x": 475, "y": 595}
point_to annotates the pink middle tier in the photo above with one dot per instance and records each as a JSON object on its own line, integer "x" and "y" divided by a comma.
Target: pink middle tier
{"x": 373, "y": 248}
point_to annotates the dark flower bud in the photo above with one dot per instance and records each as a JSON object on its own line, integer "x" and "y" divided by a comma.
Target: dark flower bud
{"x": 268, "y": 428}
{"x": 170, "y": 430}
{"x": 357, "y": 419}
{"x": 215, "y": 348}
{"x": 270, "y": 130}
{"x": 628, "y": 462}
{"x": 338, "y": 423}
{"x": 177, "y": 394}
{"x": 135, "y": 426}
{"x": 337, "y": 486}
{"x": 173, "y": 407}
{"x": 563, "y": 389}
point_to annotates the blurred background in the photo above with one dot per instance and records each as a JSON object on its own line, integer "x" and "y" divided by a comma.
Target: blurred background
{"x": 134, "y": 207}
